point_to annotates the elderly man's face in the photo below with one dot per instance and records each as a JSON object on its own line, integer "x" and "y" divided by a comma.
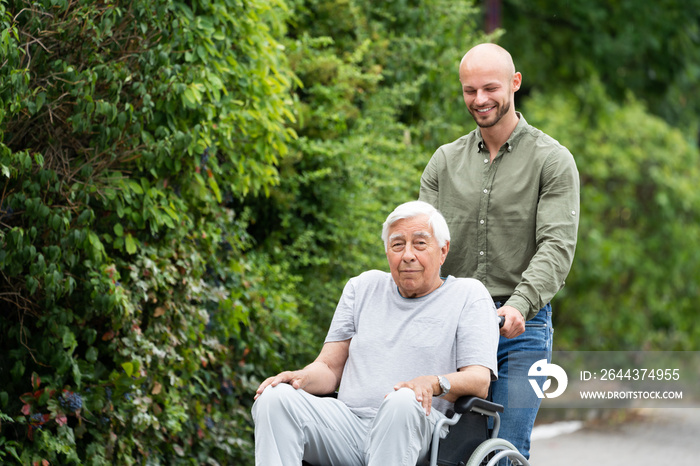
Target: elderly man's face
{"x": 415, "y": 257}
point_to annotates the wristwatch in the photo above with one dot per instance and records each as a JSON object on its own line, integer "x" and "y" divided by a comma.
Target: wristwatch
{"x": 444, "y": 385}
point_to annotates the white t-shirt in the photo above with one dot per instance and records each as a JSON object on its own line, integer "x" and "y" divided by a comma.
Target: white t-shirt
{"x": 396, "y": 339}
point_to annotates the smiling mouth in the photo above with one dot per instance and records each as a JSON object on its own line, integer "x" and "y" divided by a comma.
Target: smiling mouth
{"x": 484, "y": 110}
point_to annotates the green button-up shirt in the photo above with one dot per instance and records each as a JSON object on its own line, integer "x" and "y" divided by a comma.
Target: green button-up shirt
{"x": 513, "y": 222}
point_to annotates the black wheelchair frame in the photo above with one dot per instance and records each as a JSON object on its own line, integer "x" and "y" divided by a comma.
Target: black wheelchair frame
{"x": 469, "y": 441}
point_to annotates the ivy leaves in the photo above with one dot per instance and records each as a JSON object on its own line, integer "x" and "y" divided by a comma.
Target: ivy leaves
{"x": 127, "y": 131}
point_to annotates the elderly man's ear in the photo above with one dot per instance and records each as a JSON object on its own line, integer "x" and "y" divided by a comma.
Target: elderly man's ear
{"x": 445, "y": 249}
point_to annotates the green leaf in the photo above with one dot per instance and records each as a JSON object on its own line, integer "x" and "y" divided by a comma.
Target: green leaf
{"x": 91, "y": 354}
{"x": 32, "y": 285}
{"x": 135, "y": 187}
{"x": 40, "y": 99}
{"x": 94, "y": 240}
{"x": 215, "y": 188}
{"x": 130, "y": 244}
{"x": 128, "y": 368}
{"x": 171, "y": 213}
{"x": 77, "y": 375}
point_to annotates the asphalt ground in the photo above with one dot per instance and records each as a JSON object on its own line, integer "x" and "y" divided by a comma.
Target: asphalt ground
{"x": 654, "y": 436}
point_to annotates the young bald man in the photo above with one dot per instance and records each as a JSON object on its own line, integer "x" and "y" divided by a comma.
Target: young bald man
{"x": 510, "y": 195}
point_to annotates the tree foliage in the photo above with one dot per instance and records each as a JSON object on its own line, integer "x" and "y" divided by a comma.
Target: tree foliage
{"x": 371, "y": 92}
{"x": 635, "y": 276}
{"x": 185, "y": 187}
{"x": 128, "y": 128}
{"x": 648, "y": 48}
{"x": 598, "y": 76}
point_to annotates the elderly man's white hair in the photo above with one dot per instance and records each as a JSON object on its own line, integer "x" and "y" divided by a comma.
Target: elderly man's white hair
{"x": 415, "y": 209}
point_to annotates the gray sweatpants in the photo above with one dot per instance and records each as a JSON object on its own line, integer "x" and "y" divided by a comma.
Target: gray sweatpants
{"x": 291, "y": 425}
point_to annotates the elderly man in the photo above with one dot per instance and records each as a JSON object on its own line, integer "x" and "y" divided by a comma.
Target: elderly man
{"x": 510, "y": 195}
{"x": 402, "y": 346}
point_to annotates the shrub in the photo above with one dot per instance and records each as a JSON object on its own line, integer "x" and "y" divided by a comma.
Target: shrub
{"x": 131, "y": 319}
{"x": 634, "y": 279}
{"x": 185, "y": 188}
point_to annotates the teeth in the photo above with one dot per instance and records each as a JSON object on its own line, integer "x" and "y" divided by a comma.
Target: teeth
{"x": 484, "y": 110}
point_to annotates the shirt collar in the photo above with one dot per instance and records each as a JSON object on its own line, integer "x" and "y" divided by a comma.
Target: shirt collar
{"x": 512, "y": 140}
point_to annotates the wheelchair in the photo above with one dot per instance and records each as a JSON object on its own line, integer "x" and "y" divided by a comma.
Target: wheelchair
{"x": 470, "y": 442}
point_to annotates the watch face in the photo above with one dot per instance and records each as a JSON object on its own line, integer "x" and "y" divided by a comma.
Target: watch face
{"x": 445, "y": 385}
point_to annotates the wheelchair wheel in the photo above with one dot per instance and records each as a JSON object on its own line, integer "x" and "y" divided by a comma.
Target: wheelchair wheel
{"x": 497, "y": 451}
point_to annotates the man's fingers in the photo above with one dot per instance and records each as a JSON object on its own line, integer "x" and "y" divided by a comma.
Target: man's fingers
{"x": 262, "y": 387}
{"x": 295, "y": 379}
{"x": 423, "y": 395}
{"x": 427, "y": 404}
{"x": 265, "y": 384}
{"x": 514, "y": 324}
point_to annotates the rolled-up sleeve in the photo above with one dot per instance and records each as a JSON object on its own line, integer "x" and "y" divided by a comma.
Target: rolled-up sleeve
{"x": 556, "y": 235}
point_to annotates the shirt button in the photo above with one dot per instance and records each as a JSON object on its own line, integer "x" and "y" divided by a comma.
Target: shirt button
{"x": 481, "y": 253}
{"x": 486, "y": 160}
{"x": 481, "y": 221}
{"x": 573, "y": 212}
{"x": 486, "y": 191}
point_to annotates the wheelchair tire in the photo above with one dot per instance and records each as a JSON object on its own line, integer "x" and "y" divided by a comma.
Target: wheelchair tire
{"x": 484, "y": 453}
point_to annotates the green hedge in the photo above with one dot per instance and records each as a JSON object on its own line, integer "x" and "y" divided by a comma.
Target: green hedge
{"x": 185, "y": 188}
{"x": 131, "y": 322}
{"x": 634, "y": 282}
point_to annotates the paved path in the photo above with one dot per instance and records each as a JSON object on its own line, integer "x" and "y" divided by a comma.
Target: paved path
{"x": 659, "y": 437}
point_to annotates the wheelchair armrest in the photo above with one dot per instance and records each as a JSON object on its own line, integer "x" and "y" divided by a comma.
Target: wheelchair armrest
{"x": 465, "y": 404}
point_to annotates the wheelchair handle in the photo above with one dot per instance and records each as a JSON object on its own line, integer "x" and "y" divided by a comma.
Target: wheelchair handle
{"x": 501, "y": 321}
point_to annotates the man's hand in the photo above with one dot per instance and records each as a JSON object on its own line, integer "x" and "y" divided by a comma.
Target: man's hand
{"x": 423, "y": 388}
{"x": 297, "y": 379}
{"x": 514, "y": 324}
{"x": 318, "y": 378}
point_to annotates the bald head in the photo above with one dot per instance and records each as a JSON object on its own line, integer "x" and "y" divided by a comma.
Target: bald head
{"x": 489, "y": 82}
{"x": 487, "y": 57}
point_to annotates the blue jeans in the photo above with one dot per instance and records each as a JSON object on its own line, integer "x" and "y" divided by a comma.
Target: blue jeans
{"x": 536, "y": 342}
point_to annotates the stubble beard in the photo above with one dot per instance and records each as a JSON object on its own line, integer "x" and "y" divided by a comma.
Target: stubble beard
{"x": 501, "y": 111}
